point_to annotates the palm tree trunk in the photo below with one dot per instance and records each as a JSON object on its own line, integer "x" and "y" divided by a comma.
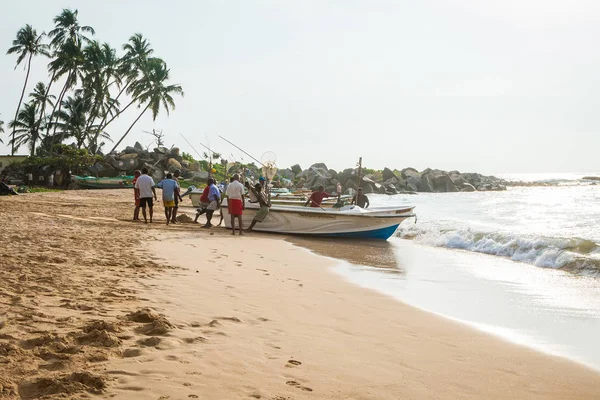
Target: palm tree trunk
{"x": 53, "y": 113}
{"x": 101, "y": 126}
{"x": 126, "y": 133}
{"x": 43, "y": 108}
{"x": 59, "y": 102}
{"x": 12, "y": 149}
{"x": 119, "y": 113}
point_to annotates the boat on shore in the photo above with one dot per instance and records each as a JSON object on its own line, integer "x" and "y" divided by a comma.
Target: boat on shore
{"x": 92, "y": 182}
{"x": 346, "y": 222}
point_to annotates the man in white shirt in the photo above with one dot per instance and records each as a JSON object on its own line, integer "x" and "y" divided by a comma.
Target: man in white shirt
{"x": 145, "y": 184}
{"x": 235, "y": 202}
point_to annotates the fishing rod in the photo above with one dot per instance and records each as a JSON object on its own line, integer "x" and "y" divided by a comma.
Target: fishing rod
{"x": 249, "y": 155}
{"x": 242, "y": 150}
{"x": 197, "y": 152}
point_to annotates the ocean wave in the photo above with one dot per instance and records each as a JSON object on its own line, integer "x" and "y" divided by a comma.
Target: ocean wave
{"x": 576, "y": 255}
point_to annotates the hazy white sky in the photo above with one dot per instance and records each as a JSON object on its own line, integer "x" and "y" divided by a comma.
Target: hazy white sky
{"x": 474, "y": 85}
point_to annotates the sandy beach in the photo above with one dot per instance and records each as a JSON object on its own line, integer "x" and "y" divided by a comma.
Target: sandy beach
{"x": 93, "y": 305}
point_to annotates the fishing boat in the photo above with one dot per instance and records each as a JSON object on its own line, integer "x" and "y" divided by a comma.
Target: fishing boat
{"x": 346, "y": 222}
{"x": 91, "y": 182}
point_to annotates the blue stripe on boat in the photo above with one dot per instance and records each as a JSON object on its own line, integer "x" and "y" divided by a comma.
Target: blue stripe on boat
{"x": 382, "y": 233}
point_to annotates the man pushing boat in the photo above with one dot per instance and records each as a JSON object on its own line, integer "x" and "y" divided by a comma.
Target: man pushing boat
{"x": 260, "y": 215}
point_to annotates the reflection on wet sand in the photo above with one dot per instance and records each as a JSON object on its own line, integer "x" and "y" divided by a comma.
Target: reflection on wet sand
{"x": 378, "y": 253}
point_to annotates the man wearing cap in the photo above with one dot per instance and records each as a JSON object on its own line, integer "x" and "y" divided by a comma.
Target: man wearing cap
{"x": 235, "y": 202}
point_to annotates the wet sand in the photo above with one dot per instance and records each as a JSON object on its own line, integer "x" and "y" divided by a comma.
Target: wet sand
{"x": 94, "y": 304}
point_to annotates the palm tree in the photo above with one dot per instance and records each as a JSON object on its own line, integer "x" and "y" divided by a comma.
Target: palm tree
{"x": 25, "y": 128}
{"x": 27, "y": 44}
{"x": 1, "y": 129}
{"x": 73, "y": 118}
{"x": 69, "y": 59}
{"x": 137, "y": 54}
{"x": 67, "y": 28}
{"x": 100, "y": 71}
{"x": 152, "y": 90}
{"x": 40, "y": 97}
{"x": 67, "y": 38}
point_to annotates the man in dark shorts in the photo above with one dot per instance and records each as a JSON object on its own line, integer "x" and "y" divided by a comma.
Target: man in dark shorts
{"x": 145, "y": 184}
{"x": 178, "y": 198}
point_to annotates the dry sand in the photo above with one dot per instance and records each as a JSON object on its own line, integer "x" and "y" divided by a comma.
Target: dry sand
{"x": 94, "y": 305}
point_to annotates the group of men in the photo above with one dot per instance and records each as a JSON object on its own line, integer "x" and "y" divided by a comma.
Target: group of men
{"x": 316, "y": 198}
{"x": 145, "y": 195}
{"x": 236, "y": 202}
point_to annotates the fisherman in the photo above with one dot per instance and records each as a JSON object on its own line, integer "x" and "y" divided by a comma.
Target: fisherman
{"x": 203, "y": 201}
{"x": 136, "y": 195}
{"x": 235, "y": 202}
{"x": 170, "y": 190}
{"x": 316, "y": 198}
{"x": 176, "y": 175}
{"x": 145, "y": 184}
{"x": 258, "y": 191}
{"x": 361, "y": 199}
{"x": 214, "y": 199}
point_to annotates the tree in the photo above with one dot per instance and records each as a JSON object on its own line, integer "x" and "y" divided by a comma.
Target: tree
{"x": 138, "y": 52}
{"x": 1, "y": 129}
{"x": 27, "y": 44}
{"x": 25, "y": 128}
{"x": 66, "y": 38}
{"x": 100, "y": 71}
{"x": 67, "y": 28}
{"x": 152, "y": 90}
{"x": 39, "y": 97}
{"x": 72, "y": 121}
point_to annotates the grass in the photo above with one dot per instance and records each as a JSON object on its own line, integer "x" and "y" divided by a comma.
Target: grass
{"x": 42, "y": 190}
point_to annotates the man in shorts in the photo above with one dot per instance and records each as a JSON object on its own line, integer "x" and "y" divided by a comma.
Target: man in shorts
{"x": 169, "y": 194}
{"x": 264, "y": 205}
{"x": 178, "y": 198}
{"x": 136, "y": 196}
{"x": 145, "y": 184}
{"x": 235, "y": 202}
{"x": 214, "y": 199}
{"x": 203, "y": 202}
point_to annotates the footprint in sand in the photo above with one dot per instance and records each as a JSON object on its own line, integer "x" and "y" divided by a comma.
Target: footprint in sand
{"x": 293, "y": 363}
{"x": 232, "y": 319}
{"x": 299, "y": 386}
{"x": 192, "y": 396}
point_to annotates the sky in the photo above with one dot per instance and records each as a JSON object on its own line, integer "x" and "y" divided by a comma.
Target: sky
{"x": 468, "y": 85}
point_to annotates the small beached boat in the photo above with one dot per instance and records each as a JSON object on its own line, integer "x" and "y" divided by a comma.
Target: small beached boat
{"x": 347, "y": 222}
{"x": 91, "y": 182}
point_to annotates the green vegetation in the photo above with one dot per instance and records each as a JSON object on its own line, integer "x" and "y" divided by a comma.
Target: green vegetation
{"x": 38, "y": 190}
{"x": 92, "y": 85}
{"x": 64, "y": 157}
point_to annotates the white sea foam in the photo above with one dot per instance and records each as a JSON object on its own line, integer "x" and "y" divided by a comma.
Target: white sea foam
{"x": 568, "y": 253}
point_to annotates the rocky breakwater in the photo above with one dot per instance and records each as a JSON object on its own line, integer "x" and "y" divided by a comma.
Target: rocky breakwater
{"x": 157, "y": 161}
{"x": 388, "y": 181}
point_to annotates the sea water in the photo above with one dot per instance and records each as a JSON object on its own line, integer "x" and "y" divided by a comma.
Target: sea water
{"x": 522, "y": 264}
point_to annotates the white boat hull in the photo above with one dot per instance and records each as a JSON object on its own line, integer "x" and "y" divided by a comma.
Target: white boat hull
{"x": 351, "y": 222}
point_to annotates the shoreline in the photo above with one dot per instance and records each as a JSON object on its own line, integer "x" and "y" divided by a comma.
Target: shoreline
{"x": 287, "y": 326}
{"x": 93, "y": 303}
